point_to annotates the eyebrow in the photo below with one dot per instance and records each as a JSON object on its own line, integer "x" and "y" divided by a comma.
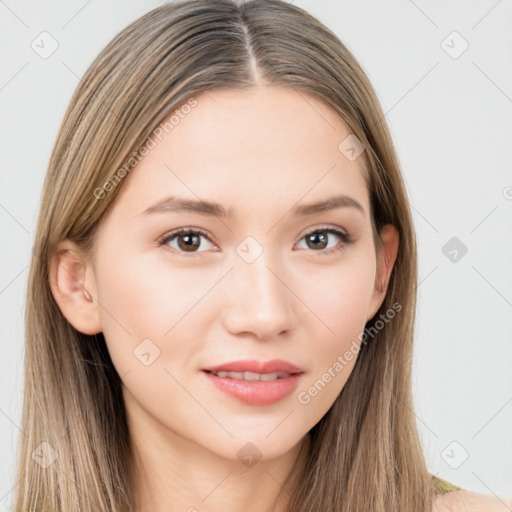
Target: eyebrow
{"x": 207, "y": 208}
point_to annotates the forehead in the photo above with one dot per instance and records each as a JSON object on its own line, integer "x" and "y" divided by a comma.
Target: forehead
{"x": 254, "y": 147}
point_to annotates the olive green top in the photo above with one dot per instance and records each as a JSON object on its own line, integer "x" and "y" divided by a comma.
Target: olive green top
{"x": 445, "y": 486}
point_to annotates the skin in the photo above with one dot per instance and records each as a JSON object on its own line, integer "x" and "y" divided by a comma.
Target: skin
{"x": 259, "y": 153}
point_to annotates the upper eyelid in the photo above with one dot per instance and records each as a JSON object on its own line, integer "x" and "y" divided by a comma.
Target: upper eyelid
{"x": 320, "y": 228}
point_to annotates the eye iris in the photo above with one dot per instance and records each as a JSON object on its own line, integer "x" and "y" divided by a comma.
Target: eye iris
{"x": 316, "y": 236}
{"x": 188, "y": 245}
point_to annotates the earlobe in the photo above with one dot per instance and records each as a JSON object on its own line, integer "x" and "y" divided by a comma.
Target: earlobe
{"x": 72, "y": 282}
{"x": 386, "y": 258}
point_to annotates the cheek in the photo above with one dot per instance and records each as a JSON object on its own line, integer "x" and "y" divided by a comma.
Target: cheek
{"x": 148, "y": 318}
{"x": 340, "y": 302}
{"x": 338, "y": 296}
{"x": 143, "y": 301}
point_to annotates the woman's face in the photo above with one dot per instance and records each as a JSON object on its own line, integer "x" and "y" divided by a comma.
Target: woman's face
{"x": 264, "y": 280}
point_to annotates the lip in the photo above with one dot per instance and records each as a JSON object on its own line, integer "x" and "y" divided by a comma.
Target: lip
{"x": 256, "y": 392}
{"x": 275, "y": 365}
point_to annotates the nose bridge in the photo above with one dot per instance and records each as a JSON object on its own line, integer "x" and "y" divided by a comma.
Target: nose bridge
{"x": 258, "y": 277}
{"x": 260, "y": 300}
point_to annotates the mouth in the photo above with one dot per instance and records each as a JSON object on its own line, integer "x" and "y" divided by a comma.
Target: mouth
{"x": 254, "y": 382}
{"x": 251, "y": 376}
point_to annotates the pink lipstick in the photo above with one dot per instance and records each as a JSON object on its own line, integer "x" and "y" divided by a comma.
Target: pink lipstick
{"x": 255, "y": 382}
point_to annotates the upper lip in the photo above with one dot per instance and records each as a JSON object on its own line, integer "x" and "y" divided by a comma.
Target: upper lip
{"x": 273, "y": 366}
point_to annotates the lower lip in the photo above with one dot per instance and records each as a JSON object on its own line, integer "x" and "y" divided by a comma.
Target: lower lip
{"x": 256, "y": 392}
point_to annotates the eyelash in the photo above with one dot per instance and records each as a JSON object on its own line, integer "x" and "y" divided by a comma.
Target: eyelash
{"x": 345, "y": 237}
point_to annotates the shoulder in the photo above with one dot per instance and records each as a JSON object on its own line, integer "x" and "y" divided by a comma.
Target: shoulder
{"x": 469, "y": 501}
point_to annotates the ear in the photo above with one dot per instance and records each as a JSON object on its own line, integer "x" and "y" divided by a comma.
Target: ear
{"x": 386, "y": 257}
{"x": 73, "y": 286}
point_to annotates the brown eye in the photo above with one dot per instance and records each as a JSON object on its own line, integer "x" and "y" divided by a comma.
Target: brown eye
{"x": 319, "y": 239}
{"x": 187, "y": 240}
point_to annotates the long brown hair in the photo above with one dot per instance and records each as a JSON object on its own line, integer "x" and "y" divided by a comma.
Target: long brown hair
{"x": 365, "y": 453}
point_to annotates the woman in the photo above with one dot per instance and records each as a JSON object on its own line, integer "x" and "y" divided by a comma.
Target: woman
{"x": 222, "y": 292}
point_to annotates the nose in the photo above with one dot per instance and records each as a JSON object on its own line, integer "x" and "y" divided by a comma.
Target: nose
{"x": 260, "y": 302}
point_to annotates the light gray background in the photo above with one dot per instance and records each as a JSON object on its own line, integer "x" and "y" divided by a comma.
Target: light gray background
{"x": 451, "y": 122}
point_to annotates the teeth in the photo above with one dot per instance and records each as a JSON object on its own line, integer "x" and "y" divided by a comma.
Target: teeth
{"x": 273, "y": 376}
{"x": 252, "y": 376}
